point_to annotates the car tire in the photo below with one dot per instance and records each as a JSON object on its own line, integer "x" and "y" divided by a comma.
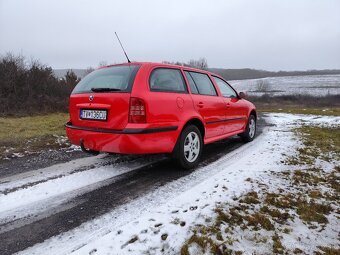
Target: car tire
{"x": 250, "y": 131}
{"x": 188, "y": 150}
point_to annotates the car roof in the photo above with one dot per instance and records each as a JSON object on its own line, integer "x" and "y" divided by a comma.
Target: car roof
{"x": 153, "y": 64}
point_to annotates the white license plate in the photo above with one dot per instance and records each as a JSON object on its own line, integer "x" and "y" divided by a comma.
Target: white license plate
{"x": 93, "y": 114}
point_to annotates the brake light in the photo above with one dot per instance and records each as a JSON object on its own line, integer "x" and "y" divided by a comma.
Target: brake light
{"x": 137, "y": 110}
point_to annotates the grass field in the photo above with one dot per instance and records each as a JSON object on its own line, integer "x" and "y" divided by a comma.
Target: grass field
{"x": 36, "y": 133}
{"x": 33, "y": 133}
{"x": 301, "y": 110}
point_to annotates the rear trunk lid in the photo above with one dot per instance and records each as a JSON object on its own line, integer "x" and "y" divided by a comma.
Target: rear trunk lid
{"x": 105, "y": 110}
{"x": 101, "y": 99}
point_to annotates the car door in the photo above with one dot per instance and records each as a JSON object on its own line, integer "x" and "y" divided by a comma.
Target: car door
{"x": 207, "y": 102}
{"x": 235, "y": 109}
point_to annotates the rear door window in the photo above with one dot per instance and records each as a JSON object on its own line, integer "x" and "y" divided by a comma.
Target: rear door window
{"x": 203, "y": 84}
{"x": 167, "y": 80}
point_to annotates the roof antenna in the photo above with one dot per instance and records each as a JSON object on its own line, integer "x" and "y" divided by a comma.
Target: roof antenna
{"x": 123, "y": 49}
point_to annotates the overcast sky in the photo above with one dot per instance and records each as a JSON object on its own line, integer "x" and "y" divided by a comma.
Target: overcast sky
{"x": 261, "y": 34}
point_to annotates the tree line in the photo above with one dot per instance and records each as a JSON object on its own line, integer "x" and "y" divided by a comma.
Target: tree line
{"x": 201, "y": 63}
{"x": 31, "y": 87}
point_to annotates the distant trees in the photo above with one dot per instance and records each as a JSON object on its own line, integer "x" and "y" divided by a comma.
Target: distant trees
{"x": 201, "y": 63}
{"x": 88, "y": 70}
{"x": 71, "y": 79}
{"x": 262, "y": 85}
{"x": 102, "y": 63}
{"x": 30, "y": 88}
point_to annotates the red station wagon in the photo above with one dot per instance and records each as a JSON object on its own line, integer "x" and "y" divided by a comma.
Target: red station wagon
{"x": 140, "y": 108}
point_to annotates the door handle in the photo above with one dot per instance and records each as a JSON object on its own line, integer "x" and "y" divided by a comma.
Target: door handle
{"x": 200, "y": 104}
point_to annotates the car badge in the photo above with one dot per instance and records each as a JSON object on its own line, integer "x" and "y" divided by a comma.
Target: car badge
{"x": 91, "y": 98}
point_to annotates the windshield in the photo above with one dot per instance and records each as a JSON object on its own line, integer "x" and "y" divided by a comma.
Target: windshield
{"x": 116, "y": 78}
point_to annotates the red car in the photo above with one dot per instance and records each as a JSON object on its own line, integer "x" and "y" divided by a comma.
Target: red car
{"x": 140, "y": 108}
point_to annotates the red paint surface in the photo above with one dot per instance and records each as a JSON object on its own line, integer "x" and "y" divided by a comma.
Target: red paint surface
{"x": 163, "y": 109}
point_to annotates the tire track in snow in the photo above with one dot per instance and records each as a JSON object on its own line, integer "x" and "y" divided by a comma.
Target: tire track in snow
{"x": 47, "y": 197}
{"x": 98, "y": 200}
{"x": 154, "y": 196}
{"x": 130, "y": 186}
{"x": 31, "y": 178}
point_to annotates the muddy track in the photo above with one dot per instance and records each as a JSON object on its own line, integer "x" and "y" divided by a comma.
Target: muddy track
{"x": 111, "y": 193}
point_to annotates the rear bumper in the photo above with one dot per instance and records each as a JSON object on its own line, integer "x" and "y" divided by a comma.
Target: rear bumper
{"x": 137, "y": 140}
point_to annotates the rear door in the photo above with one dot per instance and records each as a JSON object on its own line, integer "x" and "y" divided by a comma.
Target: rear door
{"x": 207, "y": 102}
{"x": 235, "y": 109}
{"x": 167, "y": 97}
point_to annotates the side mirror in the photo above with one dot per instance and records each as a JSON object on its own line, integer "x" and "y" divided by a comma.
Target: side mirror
{"x": 242, "y": 95}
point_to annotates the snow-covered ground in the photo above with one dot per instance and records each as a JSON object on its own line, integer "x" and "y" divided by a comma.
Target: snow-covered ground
{"x": 162, "y": 220}
{"x": 37, "y": 191}
{"x": 314, "y": 85}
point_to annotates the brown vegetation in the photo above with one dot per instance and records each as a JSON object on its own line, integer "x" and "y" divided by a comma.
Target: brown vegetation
{"x": 32, "y": 88}
{"x": 267, "y": 101}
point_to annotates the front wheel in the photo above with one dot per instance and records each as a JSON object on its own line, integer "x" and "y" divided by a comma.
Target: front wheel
{"x": 188, "y": 150}
{"x": 249, "y": 133}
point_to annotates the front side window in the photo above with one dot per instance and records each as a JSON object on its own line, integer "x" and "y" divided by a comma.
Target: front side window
{"x": 167, "y": 80}
{"x": 203, "y": 84}
{"x": 116, "y": 78}
{"x": 225, "y": 89}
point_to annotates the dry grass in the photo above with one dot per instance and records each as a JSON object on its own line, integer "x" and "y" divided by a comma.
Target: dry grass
{"x": 31, "y": 133}
{"x": 325, "y": 111}
{"x": 250, "y": 198}
{"x": 318, "y": 142}
{"x": 328, "y": 251}
{"x": 304, "y": 104}
{"x": 258, "y": 221}
{"x": 277, "y": 245}
{"x": 313, "y": 212}
{"x": 203, "y": 242}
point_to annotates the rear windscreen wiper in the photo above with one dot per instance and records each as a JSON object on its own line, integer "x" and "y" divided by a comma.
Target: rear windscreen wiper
{"x": 104, "y": 89}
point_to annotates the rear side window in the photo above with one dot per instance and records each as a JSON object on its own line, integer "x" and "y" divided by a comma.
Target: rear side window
{"x": 116, "y": 78}
{"x": 167, "y": 80}
{"x": 203, "y": 84}
{"x": 225, "y": 89}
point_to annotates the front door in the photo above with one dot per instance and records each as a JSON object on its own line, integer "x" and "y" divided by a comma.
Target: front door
{"x": 235, "y": 109}
{"x": 206, "y": 101}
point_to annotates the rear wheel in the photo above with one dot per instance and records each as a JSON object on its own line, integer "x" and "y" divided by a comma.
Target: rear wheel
{"x": 249, "y": 133}
{"x": 188, "y": 150}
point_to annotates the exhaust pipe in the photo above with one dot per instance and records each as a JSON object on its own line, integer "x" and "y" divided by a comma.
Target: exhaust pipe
{"x": 89, "y": 151}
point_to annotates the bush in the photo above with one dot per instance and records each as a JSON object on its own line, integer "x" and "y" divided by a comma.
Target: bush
{"x": 296, "y": 100}
{"x": 201, "y": 63}
{"x": 262, "y": 86}
{"x": 32, "y": 88}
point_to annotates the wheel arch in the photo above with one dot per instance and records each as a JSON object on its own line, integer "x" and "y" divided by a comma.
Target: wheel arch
{"x": 196, "y": 122}
{"x": 253, "y": 112}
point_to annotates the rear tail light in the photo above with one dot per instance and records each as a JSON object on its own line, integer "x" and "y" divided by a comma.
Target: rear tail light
{"x": 137, "y": 110}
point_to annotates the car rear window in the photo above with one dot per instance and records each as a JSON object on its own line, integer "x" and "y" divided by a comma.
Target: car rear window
{"x": 116, "y": 78}
{"x": 167, "y": 80}
{"x": 203, "y": 84}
